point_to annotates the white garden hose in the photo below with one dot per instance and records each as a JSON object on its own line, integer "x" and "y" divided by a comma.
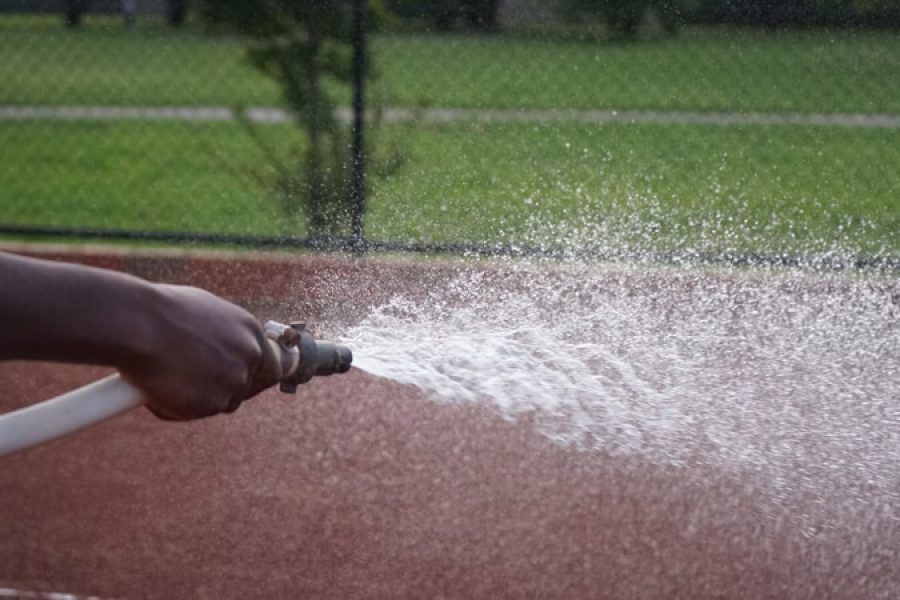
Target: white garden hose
{"x": 66, "y": 414}
{"x": 301, "y": 359}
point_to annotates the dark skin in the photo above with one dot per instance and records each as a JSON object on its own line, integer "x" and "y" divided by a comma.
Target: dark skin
{"x": 192, "y": 353}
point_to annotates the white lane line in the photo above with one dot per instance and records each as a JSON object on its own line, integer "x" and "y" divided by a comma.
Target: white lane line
{"x": 30, "y": 594}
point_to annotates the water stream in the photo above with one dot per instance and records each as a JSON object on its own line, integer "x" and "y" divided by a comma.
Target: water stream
{"x": 792, "y": 378}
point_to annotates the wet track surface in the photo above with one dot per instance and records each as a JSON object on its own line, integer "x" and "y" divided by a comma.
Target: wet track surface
{"x": 364, "y": 488}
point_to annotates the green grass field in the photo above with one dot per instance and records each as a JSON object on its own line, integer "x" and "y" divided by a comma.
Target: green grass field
{"x": 641, "y": 187}
{"x": 130, "y": 175}
{"x": 702, "y": 69}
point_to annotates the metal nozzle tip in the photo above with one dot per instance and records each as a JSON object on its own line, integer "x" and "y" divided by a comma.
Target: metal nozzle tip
{"x": 344, "y": 359}
{"x": 333, "y": 358}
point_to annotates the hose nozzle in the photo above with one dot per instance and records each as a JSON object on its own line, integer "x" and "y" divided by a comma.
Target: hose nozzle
{"x": 302, "y": 357}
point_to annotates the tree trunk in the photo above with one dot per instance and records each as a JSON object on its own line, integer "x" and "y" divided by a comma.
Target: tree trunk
{"x": 176, "y": 11}
{"x": 74, "y": 8}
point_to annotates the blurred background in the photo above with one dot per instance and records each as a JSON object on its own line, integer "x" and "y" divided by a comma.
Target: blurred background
{"x": 656, "y": 128}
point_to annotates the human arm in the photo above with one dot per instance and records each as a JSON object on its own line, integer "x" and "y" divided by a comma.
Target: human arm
{"x": 193, "y": 354}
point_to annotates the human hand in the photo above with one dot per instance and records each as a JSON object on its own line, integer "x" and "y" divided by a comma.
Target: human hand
{"x": 200, "y": 355}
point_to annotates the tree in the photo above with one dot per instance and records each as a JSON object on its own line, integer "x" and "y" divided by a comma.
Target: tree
{"x": 176, "y": 12}
{"x": 304, "y": 45}
{"x": 624, "y": 17}
{"x": 73, "y": 10}
{"x": 480, "y": 15}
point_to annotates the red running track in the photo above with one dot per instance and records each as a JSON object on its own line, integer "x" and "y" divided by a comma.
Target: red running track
{"x": 361, "y": 488}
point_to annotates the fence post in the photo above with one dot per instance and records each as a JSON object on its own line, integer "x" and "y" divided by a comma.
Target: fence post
{"x": 359, "y": 109}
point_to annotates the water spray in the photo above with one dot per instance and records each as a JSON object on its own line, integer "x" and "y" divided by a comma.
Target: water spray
{"x": 302, "y": 358}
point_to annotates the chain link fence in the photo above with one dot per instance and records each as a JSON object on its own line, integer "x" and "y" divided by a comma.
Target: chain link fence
{"x": 522, "y": 129}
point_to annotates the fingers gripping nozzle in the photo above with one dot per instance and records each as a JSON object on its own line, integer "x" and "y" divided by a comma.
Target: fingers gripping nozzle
{"x": 302, "y": 357}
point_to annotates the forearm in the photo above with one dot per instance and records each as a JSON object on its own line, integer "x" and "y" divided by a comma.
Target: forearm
{"x": 59, "y": 312}
{"x": 193, "y": 354}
